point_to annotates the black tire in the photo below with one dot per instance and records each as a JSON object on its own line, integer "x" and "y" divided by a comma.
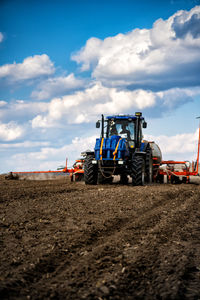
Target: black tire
{"x": 123, "y": 179}
{"x": 79, "y": 177}
{"x": 184, "y": 180}
{"x": 105, "y": 180}
{"x": 175, "y": 179}
{"x": 90, "y": 171}
{"x": 160, "y": 178}
{"x": 138, "y": 171}
{"x": 148, "y": 166}
{"x": 72, "y": 178}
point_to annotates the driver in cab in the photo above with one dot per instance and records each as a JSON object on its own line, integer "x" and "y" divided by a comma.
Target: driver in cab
{"x": 125, "y": 133}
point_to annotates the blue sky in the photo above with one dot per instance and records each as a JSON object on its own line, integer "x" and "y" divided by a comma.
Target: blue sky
{"x": 63, "y": 63}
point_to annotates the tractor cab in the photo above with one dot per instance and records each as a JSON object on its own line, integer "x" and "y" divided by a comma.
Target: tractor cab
{"x": 128, "y": 127}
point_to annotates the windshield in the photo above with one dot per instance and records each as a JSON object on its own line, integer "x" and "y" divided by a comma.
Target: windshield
{"x": 121, "y": 127}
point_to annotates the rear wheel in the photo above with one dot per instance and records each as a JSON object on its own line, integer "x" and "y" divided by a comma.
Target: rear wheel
{"x": 90, "y": 170}
{"x": 138, "y": 171}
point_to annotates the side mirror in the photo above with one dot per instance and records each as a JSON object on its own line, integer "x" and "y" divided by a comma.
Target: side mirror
{"x": 144, "y": 124}
{"x": 97, "y": 124}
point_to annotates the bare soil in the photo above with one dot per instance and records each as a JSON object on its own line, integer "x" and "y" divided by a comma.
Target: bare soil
{"x": 63, "y": 240}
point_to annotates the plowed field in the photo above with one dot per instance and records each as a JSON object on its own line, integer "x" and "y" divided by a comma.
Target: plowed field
{"x": 63, "y": 240}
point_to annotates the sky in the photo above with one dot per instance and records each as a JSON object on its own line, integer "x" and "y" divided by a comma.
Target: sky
{"x": 64, "y": 63}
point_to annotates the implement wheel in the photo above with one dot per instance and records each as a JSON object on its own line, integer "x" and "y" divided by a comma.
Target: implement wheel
{"x": 138, "y": 171}
{"x": 160, "y": 178}
{"x": 90, "y": 171}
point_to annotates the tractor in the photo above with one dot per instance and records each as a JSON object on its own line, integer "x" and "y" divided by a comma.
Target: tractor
{"x": 120, "y": 150}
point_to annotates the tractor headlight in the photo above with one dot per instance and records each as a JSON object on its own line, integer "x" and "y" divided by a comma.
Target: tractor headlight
{"x": 120, "y": 162}
{"x": 94, "y": 162}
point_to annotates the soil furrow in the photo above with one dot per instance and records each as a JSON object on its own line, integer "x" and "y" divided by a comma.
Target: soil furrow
{"x": 70, "y": 241}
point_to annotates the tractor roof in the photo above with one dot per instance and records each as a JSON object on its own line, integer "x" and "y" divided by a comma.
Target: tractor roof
{"x": 123, "y": 117}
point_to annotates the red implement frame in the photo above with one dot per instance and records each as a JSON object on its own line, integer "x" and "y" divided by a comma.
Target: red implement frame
{"x": 186, "y": 172}
{"x": 76, "y": 171}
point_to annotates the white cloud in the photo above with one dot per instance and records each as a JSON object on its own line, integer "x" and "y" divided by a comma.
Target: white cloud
{"x": 1, "y": 37}
{"x": 31, "y": 67}
{"x": 85, "y": 106}
{"x": 25, "y": 144}
{"x": 21, "y": 110}
{"x": 23, "y": 107}
{"x": 10, "y": 131}
{"x": 49, "y": 158}
{"x": 56, "y": 86}
{"x": 89, "y": 54}
{"x": 3, "y": 103}
{"x": 177, "y": 147}
{"x": 165, "y": 56}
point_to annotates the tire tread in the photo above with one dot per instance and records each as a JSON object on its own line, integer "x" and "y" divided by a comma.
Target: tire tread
{"x": 90, "y": 171}
{"x": 137, "y": 166}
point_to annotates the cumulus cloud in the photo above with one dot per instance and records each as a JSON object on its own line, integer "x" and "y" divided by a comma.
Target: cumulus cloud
{"x": 10, "y": 131}
{"x": 165, "y": 56}
{"x": 2, "y": 103}
{"x": 57, "y": 86}
{"x": 177, "y": 147}
{"x": 85, "y": 106}
{"x": 185, "y": 24}
{"x": 25, "y": 144}
{"x": 1, "y": 37}
{"x": 32, "y": 67}
{"x": 49, "y": 158}
{"x": 21, "y": 110}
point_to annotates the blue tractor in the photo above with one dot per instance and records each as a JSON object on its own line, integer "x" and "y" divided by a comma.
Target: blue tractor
{"x": 120, "y": 151}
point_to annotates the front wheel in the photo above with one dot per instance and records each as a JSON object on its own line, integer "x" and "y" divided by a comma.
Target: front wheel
{"x": 90, "y": 171}
{"x": 138, "y": 171}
